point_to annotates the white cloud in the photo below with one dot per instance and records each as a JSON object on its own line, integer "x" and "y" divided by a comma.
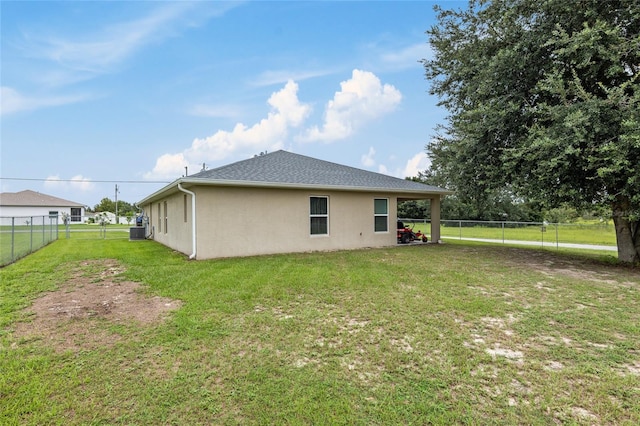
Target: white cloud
{"x": 97, "y": 52}
{"x": 418, "y": 163}
{"x": 87, "y": 55}
{"x": 81, "y": 183}
{"x": 360, "y": 100}
{"x": 383, "y": 169}
{"x": 367, "y": 159}
{"x": 267, "y": 78}
{"x": 407, "y": 57}
{"x": 53, "y": 181}
{"x": 168, "y": 166}
{"x": 76, "y": 183}
{"x": 269, "y": 133}
{"x": 11, "y": 101}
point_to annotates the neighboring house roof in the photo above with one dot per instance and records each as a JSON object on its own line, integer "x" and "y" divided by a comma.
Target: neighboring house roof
{"x": 30, "y": 198}
{"x": 282, "y": 169}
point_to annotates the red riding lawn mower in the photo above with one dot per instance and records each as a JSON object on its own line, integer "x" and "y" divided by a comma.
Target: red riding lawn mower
{"x": 406, "y": 234}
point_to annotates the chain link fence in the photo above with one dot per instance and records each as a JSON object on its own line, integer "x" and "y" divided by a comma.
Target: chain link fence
{"x": 596, "y": 235}
{"x": 22, "y": 235}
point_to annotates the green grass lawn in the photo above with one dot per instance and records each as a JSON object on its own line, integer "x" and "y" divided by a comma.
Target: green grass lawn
{"x": 588, "y": 233}
{"x": 452, "y": 333}
{"x": 23, "y": 240}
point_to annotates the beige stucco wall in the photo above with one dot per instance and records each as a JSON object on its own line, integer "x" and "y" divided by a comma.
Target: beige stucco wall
{"x": 237, "y": 221}
{"x": 177, "y": 233}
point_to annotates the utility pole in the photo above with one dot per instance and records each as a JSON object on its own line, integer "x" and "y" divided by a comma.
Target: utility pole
{"x": 117, "y": 221}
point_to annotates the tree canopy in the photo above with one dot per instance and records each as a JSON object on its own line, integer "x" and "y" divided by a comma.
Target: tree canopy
{"x": 544, "y": 103}
{"x": 108, "y": 205}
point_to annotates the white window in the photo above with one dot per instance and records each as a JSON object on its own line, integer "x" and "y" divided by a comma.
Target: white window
{"x": 381, "y": 214}
{"x": 319, "y": 215}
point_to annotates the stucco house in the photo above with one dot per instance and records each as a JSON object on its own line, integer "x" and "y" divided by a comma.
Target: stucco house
{"x": 25, "y": 204}
{"x": 111, "y": 218}
{"x": 281, "y": 202}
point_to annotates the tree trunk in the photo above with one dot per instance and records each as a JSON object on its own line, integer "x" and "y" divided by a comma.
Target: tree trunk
{"x": 627, "y": 231}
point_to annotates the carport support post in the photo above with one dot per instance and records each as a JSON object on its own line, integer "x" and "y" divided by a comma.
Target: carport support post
{"x": 435, "y": 219}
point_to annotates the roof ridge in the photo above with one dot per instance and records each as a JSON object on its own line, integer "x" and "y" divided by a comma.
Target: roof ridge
{"x": 237, "y": 162}
{"x": 29, "y": 197}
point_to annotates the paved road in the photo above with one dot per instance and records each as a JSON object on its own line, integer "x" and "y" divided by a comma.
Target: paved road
{"x": 551, "y": 244}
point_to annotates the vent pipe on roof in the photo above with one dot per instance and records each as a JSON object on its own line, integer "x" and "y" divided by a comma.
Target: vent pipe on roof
{"x": 193, "y": 220}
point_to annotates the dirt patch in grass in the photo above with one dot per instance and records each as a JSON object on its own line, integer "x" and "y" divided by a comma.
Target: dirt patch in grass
{"x": 570, "y": 267}
{"x": 82, "y": 313}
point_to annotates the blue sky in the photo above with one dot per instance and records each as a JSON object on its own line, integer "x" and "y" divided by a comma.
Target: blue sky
{"x": 137, "y": 91}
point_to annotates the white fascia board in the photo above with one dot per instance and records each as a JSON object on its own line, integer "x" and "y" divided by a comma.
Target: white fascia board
{"x": 189, "y": 182}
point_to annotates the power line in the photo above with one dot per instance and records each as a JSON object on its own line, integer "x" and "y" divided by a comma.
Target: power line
{"x": 84, "y": 180}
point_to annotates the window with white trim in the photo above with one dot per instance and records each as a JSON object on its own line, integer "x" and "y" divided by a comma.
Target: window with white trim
{"x": 76, "y": 214}
{"x": 381, "y": 214}
{"x": 319, "y": 215}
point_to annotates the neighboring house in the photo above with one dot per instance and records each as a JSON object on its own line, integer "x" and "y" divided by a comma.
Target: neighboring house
{"x": 26, "y": 204}
{"x": 281, "y": 203}
{"x": 111, "y": 218}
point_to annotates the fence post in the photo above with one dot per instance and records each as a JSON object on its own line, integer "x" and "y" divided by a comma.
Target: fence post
{"x": 460, "y": 228}
{"x": 31, "y": 235}
{"x": 502, "y": 232}
{"x": 13, "y": 240}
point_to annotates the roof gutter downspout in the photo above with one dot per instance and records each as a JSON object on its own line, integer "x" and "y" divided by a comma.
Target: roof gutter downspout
{"x": 193, "y": 219}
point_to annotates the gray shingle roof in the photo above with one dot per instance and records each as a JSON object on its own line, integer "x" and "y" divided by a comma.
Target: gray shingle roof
{"x": 32, "y": 198}
{"x": 282, "y": 167}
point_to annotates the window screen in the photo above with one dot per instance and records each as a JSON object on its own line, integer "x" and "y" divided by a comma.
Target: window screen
{"x": 381, "y": 214}
{"x": 319, "y": 215}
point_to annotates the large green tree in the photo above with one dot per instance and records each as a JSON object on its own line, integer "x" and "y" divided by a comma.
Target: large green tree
{"x": 544, "y": 102}
{"x": 108, "y": 205}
